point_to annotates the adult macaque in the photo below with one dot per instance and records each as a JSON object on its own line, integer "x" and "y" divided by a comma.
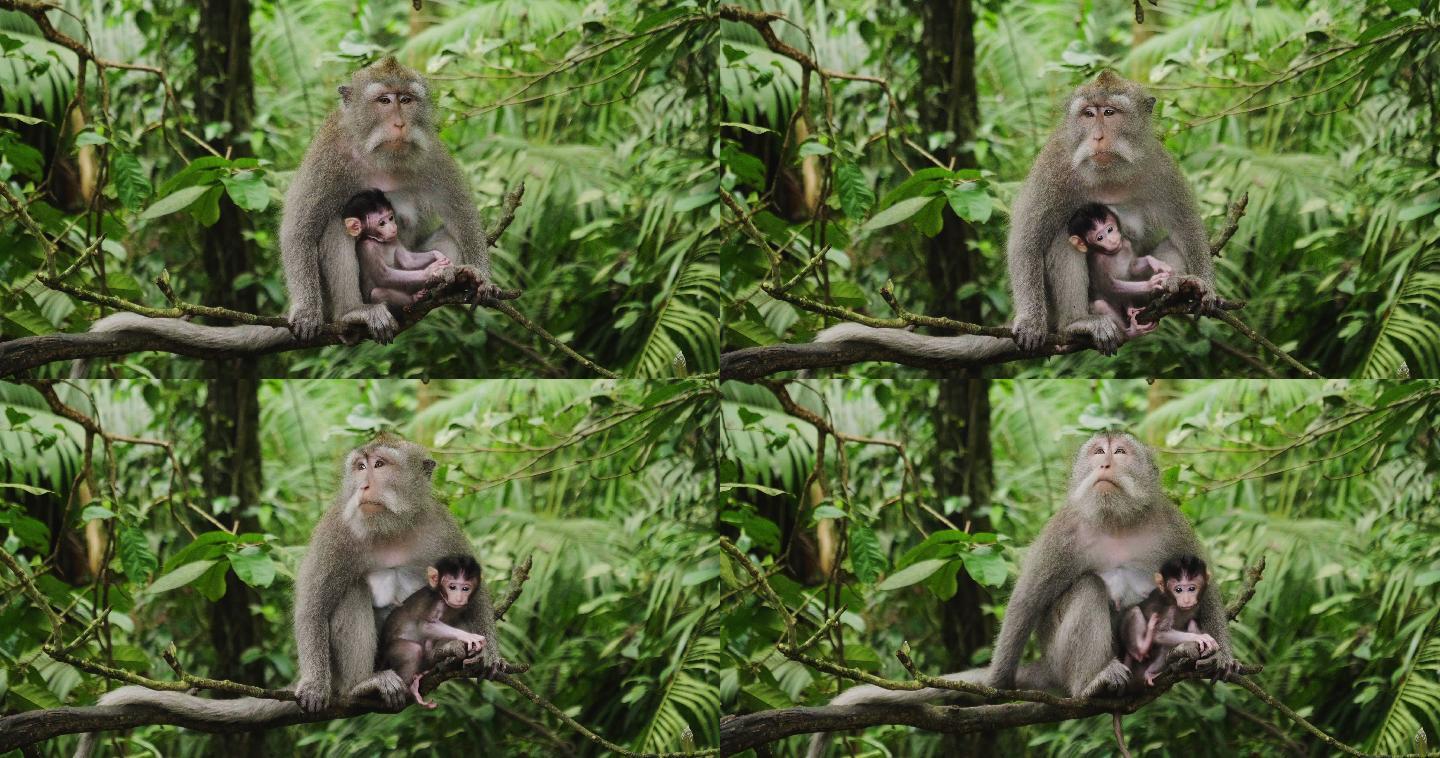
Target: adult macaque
{"x": 389, "y": 273}
{"x": 1098, "y": 552}
{"x": 426, "y": 618}
{"x": 1121, "y": 283}
{"x": 367, "y": 554}
{"x": 1166, "y": 618}
{"x": 1104, "y": 151}
{"x": 382, "y": 135}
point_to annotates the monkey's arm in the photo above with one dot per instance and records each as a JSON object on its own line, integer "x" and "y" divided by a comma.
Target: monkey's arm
{"x": 381, "y": 274}
{"x": 412, "y": 261}
{"x": 303, "y": 222}
{"x": 462, "y": 239}
{"x": 317, "y": 593}
{"x": 1032, "y": 232}
{"x": 438, "y": 631}
{"x": 1050, "y": 569}
{"x": 1127, "y": 287}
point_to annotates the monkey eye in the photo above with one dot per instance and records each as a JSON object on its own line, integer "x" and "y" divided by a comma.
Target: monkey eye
{"x": 379, "y": 462}
{"x": 1109, "y": 111}
{"x": 406, "y": 99}
{"x": 1119, "y": 450}
{"x": 1088, "y": 113}
{"x": 359, "y": 465}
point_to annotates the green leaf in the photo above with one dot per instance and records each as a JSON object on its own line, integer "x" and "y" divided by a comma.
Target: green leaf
{"x": 254, "y": 568}
{"x": 911, "y": 574}
{"x": 180, "y": 577}
{"x": 771, "y": 491}
{"x": 90, "y": 138}
{"x": 896, "y": 213}
{"x": 815, "y": 147}
{"x": 96, "y": 512}
{"x": 179, "y": 201}
{"x": 247, "y": 190}
{"x": 987, "y": 568}
{"x": 131, "y": 184}
{"x": 135, "y": 556}
{"x": 970, "y": 203}
{"x": 24, "y": 119}
{"x": 34, "y": 696}
{"x": 1416, "y": 211}
{"x": 854, "y": 192}
{"x": 206, "y": 210}
{"x": 26, "y": 488}
{"x": 866, "y": 558}
{"x": 826, "y": 511}
{"x": 931, "y": 219}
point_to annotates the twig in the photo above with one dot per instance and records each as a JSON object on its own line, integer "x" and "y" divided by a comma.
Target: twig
{"x": 31, "y": 590}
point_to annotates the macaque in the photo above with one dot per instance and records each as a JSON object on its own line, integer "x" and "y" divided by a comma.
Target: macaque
{"x": 1098, "y": 552}
{"x": 1103, "y": 151}
{"x": 1118, "y": 278}
{"x": 368, "y": 553}
{"x": 1166, "y": 617}
{"x": 428, "y": 616}
{"x": 382, "y": 135}
{"x": 389, "y": 273}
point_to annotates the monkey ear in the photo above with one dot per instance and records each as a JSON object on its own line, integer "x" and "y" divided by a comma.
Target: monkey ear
{"x": 1160, "y": 581}
{"x": 344, "y": 91}
{"x": 1078, "y": 243}
{"x": 1149, "y": 102}
{"x": 428, "y": 466}
{"x": 353, "y": 227}
{"x": 432, "y": 576}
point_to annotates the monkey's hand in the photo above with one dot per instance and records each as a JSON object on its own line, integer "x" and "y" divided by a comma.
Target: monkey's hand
{"x": 1195, "y": 289}
{"x": 1221, "y": 664}
{"x": 312, "y": 694}
{"x": 1029, "y": 332}
{"x": 377, "y": 320}
{"x": 305, "y": 321}
{"x": 491, "y": 663}
{"x": 1207, "y": 645}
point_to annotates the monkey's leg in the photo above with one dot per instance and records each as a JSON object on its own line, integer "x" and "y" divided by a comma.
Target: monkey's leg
{"x": 391, "y": 297}
{"x": 405, "y": 658}
{"x": 353, "y": 642}
{"x": 1080, "y": 649}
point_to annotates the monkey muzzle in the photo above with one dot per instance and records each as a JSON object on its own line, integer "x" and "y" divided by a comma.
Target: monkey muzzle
{"x": 1104, "y": 158}
{"x": 371, "y": 507}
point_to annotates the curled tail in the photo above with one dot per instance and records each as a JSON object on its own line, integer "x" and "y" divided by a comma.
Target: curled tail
{"x": 240, "y": 710}
{"x": 869, "y": 694}
{"x": 958, "y": 347}
{"x": 241, "y": 337}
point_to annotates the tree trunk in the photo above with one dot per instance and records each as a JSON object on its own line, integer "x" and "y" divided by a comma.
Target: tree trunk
{"x": 961, "y": 417}
{"x": 225, "y": 92}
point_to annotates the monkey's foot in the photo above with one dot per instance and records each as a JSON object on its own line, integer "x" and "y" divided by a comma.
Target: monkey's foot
{"x": 377, "y": 320}
{"x": 1029, "y": 333}
{"x": 1112, "y": 679}
{"x": 415, "y": 690}
{"x": 305, "y": 322}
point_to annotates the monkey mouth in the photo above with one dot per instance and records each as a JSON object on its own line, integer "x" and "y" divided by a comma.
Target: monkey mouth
{"x": 371, "y": 507}
{"x": 1105, "y": 158}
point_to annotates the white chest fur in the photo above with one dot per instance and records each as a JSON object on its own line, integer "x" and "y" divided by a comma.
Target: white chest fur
{"x": 390, "y": 586}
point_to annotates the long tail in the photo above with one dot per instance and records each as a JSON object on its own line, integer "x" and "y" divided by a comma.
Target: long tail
{"x": 1120, "y": 735}
{"x": 958, "y": 347}
{"x": 241, "y": 337}
{"x": 870, "y": 694}
{"x": 240, "y": 710}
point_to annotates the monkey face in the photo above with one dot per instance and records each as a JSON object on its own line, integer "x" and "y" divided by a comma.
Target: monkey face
{"x": 454, "y": 589}
{"x": 381, "y": 225}
{"x": 1113, "y": 476}
{"x": 386, "y": 110}
{"x": 1185, "y": 590}
{"x": 1105, "y": 235}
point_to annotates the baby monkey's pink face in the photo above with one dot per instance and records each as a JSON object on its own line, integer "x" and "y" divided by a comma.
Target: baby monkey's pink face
{"x": 1185, "y": 590}
{"x": 1105, "y": 235}
{"x": 381, "y": 225}
{"x": 456, "y": 590}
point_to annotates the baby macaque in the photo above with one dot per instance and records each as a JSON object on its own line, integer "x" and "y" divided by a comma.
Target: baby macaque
{"x": 1166, "y": 617}
{"x": 389, "y": 273}
{"x": 1118, "y": 279}
{"x": 425, "y": 619}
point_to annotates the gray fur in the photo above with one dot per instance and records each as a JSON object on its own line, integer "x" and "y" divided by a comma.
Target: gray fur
{"x": 962, "y": 346}
{"x": 239, "y": 710}
{"x": 1061, "y": 597}
{"x": 1049, "y": 283}
{"x": 432, "y": 203}
{"x": 426, "y": 188}
{"x": 335, "y": 622}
